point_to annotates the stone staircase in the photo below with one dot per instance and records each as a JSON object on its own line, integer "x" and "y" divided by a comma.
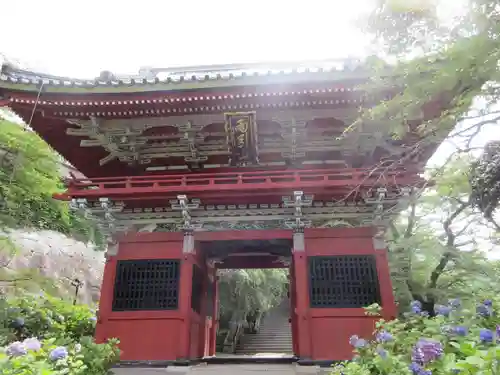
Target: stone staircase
{"x": 274, "y": 336}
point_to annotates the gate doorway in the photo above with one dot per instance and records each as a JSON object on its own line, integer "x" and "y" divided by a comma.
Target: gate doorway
{"x": 252, "y": 312}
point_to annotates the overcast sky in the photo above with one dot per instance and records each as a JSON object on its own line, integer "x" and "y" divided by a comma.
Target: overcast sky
{"x": 80, "y": 39}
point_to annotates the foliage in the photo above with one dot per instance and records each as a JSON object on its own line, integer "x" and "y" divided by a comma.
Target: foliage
{"x": 250, "y": 290}
{"x": 485, "y": 180}
{"x": 29, "y": 176}
{"x": 459, "y": 340}
{"x": 438, "y": 53}
{"x": 44, "y": 335}
{"x": 43, "y": 316}
{"x": 436, "y": 249}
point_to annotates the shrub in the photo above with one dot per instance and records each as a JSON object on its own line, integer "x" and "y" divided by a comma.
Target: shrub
{"x": 458, "y": 340}
{"x": 45, "y": 317}
{"x": 45, "y": 335}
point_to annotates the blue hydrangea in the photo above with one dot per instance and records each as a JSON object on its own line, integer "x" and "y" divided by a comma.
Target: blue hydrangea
{"x": 416, "y": 307}
{"x": 32, "y": 344}
{"x": 382, "y": 352}
{"x": 460, "y": 331}
{"x": 442, "y": 310}
{"x": 488, "y": 302}
{"x": 357, "y": 342}
{"x": 384, "y": 336}
{"x": 17, "y": 323}
{"x": 426, "y": 351}
{"x": 16, "y": 349}
{"x": 486, "y": 335}
{"x": 454, "y": 303}
{"x": 484, "y": 310}
{"x": 58, "y": 353}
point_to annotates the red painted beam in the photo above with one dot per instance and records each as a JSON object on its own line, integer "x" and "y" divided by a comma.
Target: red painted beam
{"x": 251, "y": 262}
{"x": 310, "y": 181}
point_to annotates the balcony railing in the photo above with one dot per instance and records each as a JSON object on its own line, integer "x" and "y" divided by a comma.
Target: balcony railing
{"x": 242, "y": 181}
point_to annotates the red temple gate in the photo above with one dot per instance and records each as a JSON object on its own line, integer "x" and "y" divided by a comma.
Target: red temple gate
{"x": 187, "y": 171}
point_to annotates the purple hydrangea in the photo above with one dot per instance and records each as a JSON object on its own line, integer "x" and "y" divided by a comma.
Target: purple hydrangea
{"x": 426, "y": 351}
{"x": 498, "y": 332}
{"x": 488, "y": 302}
{"x": 454, "y": 303}
{"x": 32, "y": 344}
{"x": 16, "y": 349}
{"x": 486, "y": 335}
{"x": 384, "y": 336}
{"x": 442, "y": 310}
{"x": 58, "y": 353}
{"x": 416, "y": 369}
{"x": 416, "y": 307}
{"x": 357, "y": 342}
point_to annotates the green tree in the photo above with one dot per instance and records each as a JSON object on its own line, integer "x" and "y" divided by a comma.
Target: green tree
{"x": 436, "y": 249}
{"x": 29, "y": 176}
{"x": 246, "y": 291}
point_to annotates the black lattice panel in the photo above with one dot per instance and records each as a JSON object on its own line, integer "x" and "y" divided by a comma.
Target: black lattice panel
{"x": 347, "y": 281}
{"x": 150, "y": 284}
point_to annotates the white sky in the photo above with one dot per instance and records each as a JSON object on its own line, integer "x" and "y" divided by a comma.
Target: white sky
{"x": 80, "y": 39}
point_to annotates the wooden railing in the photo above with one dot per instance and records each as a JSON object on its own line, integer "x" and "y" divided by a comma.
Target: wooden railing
{"x": 249, "y": 181}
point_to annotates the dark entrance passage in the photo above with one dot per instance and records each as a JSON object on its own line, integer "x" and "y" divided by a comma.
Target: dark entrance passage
{"x": 235, "y": 254}
{"x": 253, "y": 306}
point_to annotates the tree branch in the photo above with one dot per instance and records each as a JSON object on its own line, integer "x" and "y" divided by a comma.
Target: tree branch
{"x": 450, "y": 242}
{"x": 411, "y": 220}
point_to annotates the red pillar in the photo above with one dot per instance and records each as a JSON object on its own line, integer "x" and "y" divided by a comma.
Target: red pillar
{"x": 106, "y": 299}
{"x": 185, "y": 290}
{"x": 302, "y": 296}
{"x": 215, "y": 315}
{"x": 389, "y": 310}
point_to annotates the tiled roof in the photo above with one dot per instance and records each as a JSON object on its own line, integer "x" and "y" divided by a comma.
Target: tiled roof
{"x": 201, "y": 74}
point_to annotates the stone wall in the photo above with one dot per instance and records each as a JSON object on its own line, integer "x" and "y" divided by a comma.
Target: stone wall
{"x": 61, "y": 258}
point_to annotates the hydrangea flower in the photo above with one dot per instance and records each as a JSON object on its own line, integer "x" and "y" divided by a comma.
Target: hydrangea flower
{"x": 58, "y": 353}
{"x": 384, "y": 336}
{"x": 426, "y": 351}
{"x": 484, "y": 310}
{"x": 488, "y": 302}
{"x": 17, "y": 323}
{"x": 442, "y": 310}
{"x": 16, "y": 349}
{"x": 454, "y": 303}
{"x": 460, "y": 331}
{"x": 382, "y": 352}
{"x": 416, "y": 307}
{"x": 93, "y": 319}
{"x": 32, "y": 344}
{"x": 416, "y": 369}
{"x": 486, "y": 335}
{"x": 357, "y": 342}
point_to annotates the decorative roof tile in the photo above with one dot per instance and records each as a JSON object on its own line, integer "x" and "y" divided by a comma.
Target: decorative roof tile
{"x": 188, "y": 75}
